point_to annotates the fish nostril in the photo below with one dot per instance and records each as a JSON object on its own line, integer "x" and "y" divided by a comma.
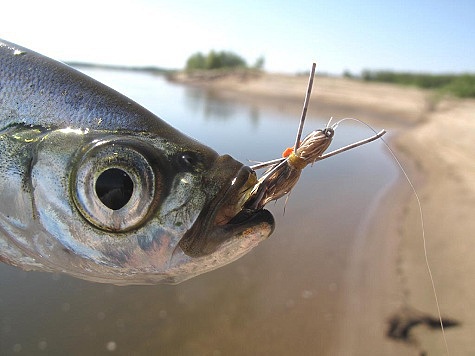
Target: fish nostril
{"x": 188, "y": 161}
{"x": 114, "y": 188}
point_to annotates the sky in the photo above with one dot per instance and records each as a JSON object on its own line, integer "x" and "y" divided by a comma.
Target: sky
{"x": 406, "y": 35}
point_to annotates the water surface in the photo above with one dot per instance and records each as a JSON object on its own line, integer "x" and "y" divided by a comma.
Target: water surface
{"x": 282, "y": 298}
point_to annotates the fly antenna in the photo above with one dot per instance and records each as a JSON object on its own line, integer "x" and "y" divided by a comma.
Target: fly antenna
{"x": 305, "y": 106}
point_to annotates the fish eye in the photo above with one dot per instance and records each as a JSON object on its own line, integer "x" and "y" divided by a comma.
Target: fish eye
{"x": 329, "y": 132}
{"x": 114, "y": 186}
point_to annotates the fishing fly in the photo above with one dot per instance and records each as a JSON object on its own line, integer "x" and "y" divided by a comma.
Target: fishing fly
{"x": 283, "y": 173}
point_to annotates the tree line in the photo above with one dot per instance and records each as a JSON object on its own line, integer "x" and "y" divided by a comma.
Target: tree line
{"x": 219, "y": 60}
{"x": 460, "y": 85}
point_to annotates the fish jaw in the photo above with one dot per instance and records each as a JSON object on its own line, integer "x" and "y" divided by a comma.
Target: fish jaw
{"x": 242, "y": 241}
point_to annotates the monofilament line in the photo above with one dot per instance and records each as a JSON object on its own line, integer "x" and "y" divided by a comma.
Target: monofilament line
{"x": 429, "y": 270}
{"x": 424, "y": 242}
{"x": 305, "y": 106}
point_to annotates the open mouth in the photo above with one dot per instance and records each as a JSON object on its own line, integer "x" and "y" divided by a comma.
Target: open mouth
{"x": 224, "y": 217}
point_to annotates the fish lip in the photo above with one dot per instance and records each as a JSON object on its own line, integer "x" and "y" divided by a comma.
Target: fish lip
{"x": 246, "y": 218}
{"x": 207, "y": 234}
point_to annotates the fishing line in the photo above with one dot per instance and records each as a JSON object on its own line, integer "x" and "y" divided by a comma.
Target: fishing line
{"x": 429, "y": 270}
{"x": 279, "y": 162}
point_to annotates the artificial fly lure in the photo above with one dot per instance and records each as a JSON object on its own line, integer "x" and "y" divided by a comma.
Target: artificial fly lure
{"x": 283, "y": 173}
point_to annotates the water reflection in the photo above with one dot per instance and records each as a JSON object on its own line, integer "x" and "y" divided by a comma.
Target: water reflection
{"x": 280, "y": 299}
{"x": 212, "y": 106}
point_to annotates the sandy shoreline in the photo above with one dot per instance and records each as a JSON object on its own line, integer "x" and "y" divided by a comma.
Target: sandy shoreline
{"x": 435, "y": 141}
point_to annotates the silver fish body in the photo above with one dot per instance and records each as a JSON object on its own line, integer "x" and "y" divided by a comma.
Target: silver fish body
{"x": 94, "y": 185}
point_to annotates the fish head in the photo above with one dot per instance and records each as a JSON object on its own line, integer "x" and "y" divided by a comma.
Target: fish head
{"x": 94, "y": 185}
{"x": 140, "y": 208}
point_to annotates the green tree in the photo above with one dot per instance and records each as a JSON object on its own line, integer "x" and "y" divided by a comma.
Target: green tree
{"x": 231, "y": 60}
{"x": 196, "y": 61}
{"x": 214, "y": 60}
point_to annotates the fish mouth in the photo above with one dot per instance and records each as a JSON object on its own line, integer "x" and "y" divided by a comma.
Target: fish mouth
{"x": 225, "y": 217}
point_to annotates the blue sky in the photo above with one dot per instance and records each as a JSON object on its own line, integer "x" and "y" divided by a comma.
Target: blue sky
{"x": 411, "y": 35}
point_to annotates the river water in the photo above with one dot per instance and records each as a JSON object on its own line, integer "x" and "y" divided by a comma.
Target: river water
{"x": 282, "y": 298}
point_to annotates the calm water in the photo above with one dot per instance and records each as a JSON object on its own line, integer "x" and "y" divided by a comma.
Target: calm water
{"x": 282, "y": 298}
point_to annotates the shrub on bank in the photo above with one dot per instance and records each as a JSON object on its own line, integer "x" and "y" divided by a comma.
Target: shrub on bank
{"x": 460, "y": 85}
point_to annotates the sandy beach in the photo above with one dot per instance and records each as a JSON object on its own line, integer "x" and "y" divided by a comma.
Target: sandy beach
{"x": 388, "y": 279}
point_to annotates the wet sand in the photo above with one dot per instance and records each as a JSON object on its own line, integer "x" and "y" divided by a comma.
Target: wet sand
{"x": 387, "y": 276}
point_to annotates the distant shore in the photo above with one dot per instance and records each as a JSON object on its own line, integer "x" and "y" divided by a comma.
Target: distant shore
{"x": 346, "y": 96}
{"x": 435, "y": 139}
{"x": 149, "y": 69}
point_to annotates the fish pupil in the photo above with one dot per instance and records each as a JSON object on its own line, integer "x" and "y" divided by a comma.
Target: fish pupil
{"x": 114, "y": 187}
